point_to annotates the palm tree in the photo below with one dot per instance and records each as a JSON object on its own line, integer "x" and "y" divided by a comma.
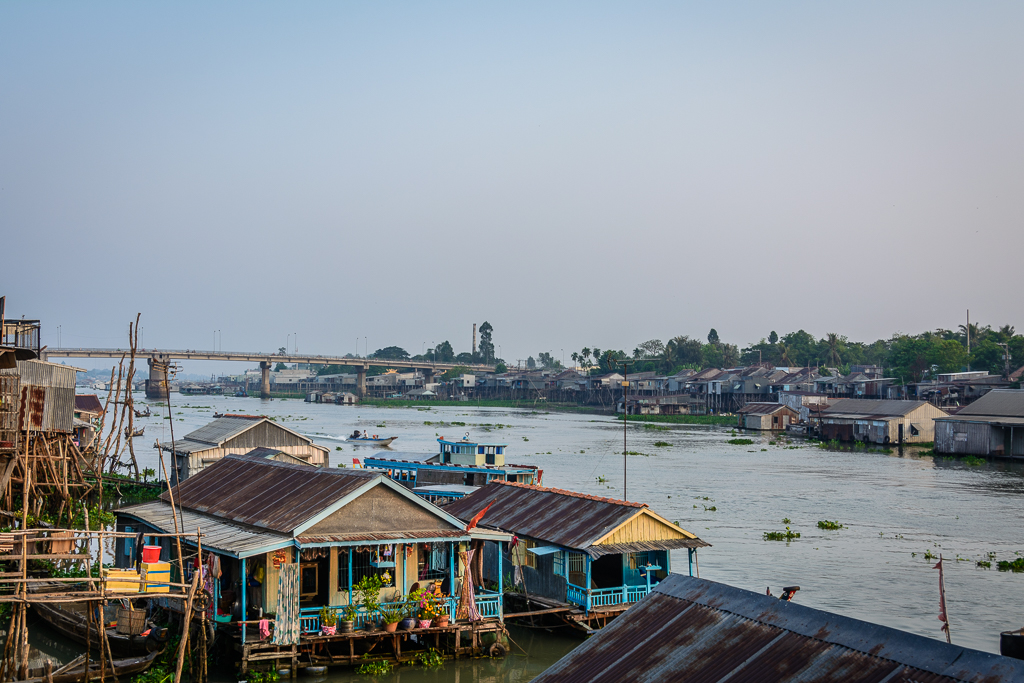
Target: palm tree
{"x": 670, "y": 356}
{"x": 832, "y": 341}
{"x": 784, "y": 352}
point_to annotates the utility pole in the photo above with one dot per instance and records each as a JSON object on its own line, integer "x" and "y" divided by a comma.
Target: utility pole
{"x": 625, "y": 417}
{"x": 968, "y": 340}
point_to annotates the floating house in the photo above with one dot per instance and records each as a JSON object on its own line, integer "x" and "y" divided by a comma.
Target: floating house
{"x": 767, "y": 416}
{"x": 237, "y": 435}
{"x": 458, "y": 462}
{"x": 692, "y": 629}
{"x": 992, "y": 426}
{"x": 336, "y": 526}
{"x": 594, "y": 555}
{"x": 882, "y": 422}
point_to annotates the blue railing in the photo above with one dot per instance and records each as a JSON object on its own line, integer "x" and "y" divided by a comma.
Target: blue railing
{"x": 603, "y": 597}
{"x": 488, "y": 604}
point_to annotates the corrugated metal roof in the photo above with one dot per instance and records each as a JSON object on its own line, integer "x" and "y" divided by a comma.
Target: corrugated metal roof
{"x": 222, "y": 429}
{"x": 690, "y": 629}
{"x": 565, "y": 518}
{"x": 89, "y": 403}
{"x": 866, "y": 407}
{"x": 267, "y": 493}
{"x": 763, "y": 408}
{"x": 40, "y": 373}
{"x": 997, "y": 403}
{"x": 217, "y": 534}
{"x": 596, "y": 551}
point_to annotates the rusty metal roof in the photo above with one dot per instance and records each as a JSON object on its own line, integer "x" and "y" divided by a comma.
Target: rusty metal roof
{"x": 690, "y": 629}
{"x": 383, "y": 536}
{"x": 89, "y": 403}
{"x": 763, "y": 408}
{"x": 997, "y": 403}
{"x": 565, "y": 518}
{"x": 266, "y": 493}
{"x": 873, "y": 409}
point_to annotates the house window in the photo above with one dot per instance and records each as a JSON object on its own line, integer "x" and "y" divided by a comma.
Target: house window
{"x": 360, "y": 567}
{"x": 521, "y": 556}
{"x": 432, "y": 561}
{"x": 577, "y": 563}
{"x": 531, "y": 559}
{"x": 914, "y": 431}
{"x": 559, "y": 560}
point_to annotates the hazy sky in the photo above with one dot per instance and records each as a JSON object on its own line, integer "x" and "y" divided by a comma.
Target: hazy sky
{"x": 575, "y": 173}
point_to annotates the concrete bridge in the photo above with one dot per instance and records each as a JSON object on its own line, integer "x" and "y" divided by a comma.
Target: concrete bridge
{"x": 160, "y": 361}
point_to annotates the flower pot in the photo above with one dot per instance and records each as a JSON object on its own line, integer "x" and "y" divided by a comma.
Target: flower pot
{"x": 407, "y": 623}
{"x": 424, "y": 623}
{"x": 442, "y": 620}
{"x": 328, "y": 630}
{"x": 345, "y": 626}
{"x": 391, "y": 628}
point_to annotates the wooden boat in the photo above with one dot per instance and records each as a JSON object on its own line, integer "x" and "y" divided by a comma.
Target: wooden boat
{"x": 70, "y": 620}
{"x": 138, "y": 432}
{"x": 142, "y": 413}
{"x": 370, "y": 440}
{"x": 122, "y": 668}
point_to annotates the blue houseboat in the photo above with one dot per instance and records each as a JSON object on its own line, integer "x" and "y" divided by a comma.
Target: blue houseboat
{"x": 462, "y": 463}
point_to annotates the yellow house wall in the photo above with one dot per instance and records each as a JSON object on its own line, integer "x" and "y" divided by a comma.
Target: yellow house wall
{"x": 270, "y": 584}
{"x": 643, "y": 527}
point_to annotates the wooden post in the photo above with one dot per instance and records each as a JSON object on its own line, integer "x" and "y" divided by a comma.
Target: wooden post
{"x": 186, "y": 622}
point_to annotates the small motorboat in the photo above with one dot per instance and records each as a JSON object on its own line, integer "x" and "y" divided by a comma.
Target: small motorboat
{"x": 358, "y": 438}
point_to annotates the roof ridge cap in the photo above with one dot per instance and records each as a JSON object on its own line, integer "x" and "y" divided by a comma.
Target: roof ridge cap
{"x": 573, "y": 494}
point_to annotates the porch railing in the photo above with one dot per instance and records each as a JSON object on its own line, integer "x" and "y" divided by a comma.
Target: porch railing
{"x": 603, "y": 597}
{"x": 488, "y": 604}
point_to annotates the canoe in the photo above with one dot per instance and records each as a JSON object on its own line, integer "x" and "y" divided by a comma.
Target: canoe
{"x": 69, "y": 619}
{"x": 372, "y": 441}
{"x": 122, "y": 668}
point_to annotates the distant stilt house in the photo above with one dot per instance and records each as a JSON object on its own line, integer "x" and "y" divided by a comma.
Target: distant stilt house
{"x": 259, "y": 515}
{"x": 767, "y": 416}
{"x": 881, "y": 422}
{"x": 237, "y": 435}
{"x": 88, "y": 411}
{"x": 596, "y": 555}
{"x": 993, "y": 426}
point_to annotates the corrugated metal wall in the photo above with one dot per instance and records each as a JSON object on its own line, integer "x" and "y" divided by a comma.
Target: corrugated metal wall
{"x": 58, "y": 395}
{"x": 965, "y": 438}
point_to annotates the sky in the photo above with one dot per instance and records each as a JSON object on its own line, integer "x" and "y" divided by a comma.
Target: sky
{"x": 577, "y": 174}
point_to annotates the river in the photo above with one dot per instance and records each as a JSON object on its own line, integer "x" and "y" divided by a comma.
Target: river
{"x": 894, "y": 509}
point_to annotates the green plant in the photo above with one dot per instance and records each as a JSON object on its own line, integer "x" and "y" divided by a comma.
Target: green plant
{"x": 392, "y": 614}
{"x": 1014, "y": 566}
{"x": 984, "y": 564}
{"x": 431, "y": 659}
{"x": 350, "y": 612}
{"x": 662, "y": 444}
{"x": 787, "y": 535}
{"x": 378, "y": 668}
{"x": 368, "y": 590}
{"x": 328, "y": 617}
{"x": 829, "y": 525}
{"x": 740, "y": 442}
{"x": 262, "y": 676}
{"x": 786, "y": 520}
{"x": 929, "y": 555}
{"x": 972, "y": 460}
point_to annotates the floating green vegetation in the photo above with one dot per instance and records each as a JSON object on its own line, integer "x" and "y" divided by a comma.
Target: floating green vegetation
{"x": 929, "y": 555}
{"x": 378, "y": 668}
{"x": 704, "y": 498}
{"x": 984, "y": 564}
{"x": 830, "y": 525}
{"x": 764, "y": 450}
{"x": 771, "y": 443}
{"x": 713, "y": 508}
{"x": 337, "y": 448}
{"x": 662, "y": 444}
{"x": 1011, "y": 566}
{"x": 787, "y": 535}
{"x": 525, "y": 439}
{"x": 657, "y": 427}
{"x": 602, "y": 480}
{"x": 431, "y": 659}
{"x": 972, "y": 460}
{"x": 786, "y": 520}
{"x": 740, "y": 442}
{"x": 427, "y": 422}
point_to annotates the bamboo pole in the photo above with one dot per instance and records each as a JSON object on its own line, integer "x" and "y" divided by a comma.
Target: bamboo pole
{"x": 186, "y": 621}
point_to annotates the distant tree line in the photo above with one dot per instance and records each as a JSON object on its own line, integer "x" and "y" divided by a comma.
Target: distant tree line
{"x": 908, "y": 357}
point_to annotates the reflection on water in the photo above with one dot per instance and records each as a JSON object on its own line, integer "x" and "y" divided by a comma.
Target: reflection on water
{"x": 895, "y": 507}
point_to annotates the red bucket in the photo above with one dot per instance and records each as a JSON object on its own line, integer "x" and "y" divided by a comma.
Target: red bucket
{"x": 150, "y": 554}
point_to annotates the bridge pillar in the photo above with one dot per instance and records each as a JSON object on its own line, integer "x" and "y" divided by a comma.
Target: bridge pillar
{"x": 361, "y": 380}
{"x": 265, "y": 378}
{"x": 428, "y": 376}
{"x": 157, "y": 384}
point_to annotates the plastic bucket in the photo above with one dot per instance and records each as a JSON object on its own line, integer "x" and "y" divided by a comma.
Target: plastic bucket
{"x": 151, "y": 554}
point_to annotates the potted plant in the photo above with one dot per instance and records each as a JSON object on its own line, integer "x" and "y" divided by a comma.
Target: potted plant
{"x": 442, "y": 614}
{"x": 391, "y": 615}
{"x": 348, "y": 623}
{"x": 368, "y": 591}
{"x": 328, "y": 622}
{"x": 431, "y": 607}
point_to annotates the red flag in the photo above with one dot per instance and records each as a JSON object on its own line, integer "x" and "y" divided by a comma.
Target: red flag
{"x": 480, "y": 515}
{"x": 942, "y": 601}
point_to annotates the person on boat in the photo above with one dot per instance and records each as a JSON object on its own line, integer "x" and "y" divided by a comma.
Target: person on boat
{"x": 355, "y": 434}
{"x": 365, "y": 435}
